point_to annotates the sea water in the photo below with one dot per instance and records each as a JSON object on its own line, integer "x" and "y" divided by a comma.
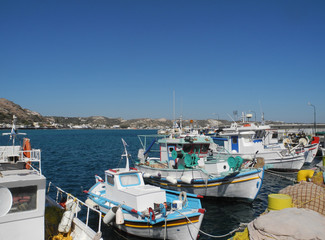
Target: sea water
{"x": 71, "y": 158}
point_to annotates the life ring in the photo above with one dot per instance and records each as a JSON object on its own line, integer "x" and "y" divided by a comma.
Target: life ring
{"x": 27, "y": 148}
{"x": 152, "y": 214}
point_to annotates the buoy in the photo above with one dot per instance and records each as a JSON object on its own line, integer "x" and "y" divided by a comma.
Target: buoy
{"x": 66, "y": 221}
{"x": 304, "y": 175}
{"x": 110, "y": 215}
{"x": 279, "y": 201}
{"x": 119, "y": 217}
{"x": 27, "y": 148}
{"x": 146, "y": 175}
{"x": 186, "y": 179}
{"x": 172, "y": 180}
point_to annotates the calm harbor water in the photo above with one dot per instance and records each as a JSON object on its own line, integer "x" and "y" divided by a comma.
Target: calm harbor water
{"x": 71, "y": 158}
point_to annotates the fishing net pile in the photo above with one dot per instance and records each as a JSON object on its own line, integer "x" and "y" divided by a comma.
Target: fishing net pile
{"x": 288, "y": 224}
{"x": 306, "y": 220}
{"x": 307, "y": 195}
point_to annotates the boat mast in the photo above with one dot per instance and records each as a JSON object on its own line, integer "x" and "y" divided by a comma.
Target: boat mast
{"x": 13, "y": 133}
{"x": 126, "y": 155}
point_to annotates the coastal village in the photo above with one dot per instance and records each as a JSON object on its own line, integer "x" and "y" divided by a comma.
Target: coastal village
{"x": 28, "y": 119}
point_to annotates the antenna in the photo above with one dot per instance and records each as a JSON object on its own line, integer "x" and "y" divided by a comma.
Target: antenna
{"x": 262, "y": 113}
{"x": 127, "y": 165}
{"x": 235, "y": 112}
{"x": 231, "y": 117}
{"x": 174, "y": 109}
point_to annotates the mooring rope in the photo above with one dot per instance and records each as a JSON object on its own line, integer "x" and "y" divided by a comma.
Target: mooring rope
{"x": 241, "y": 227}
{"x": 279, "y": 175}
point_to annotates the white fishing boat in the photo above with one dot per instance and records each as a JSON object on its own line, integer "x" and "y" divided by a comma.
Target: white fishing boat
{"x": 308, "y": 145}
{"x": 23, "y": 197}
{"x": 145, "y": 210}
{"x": 184, "y": 162}
{"x": 250, "y": 141}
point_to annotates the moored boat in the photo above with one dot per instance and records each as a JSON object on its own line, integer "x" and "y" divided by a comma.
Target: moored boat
{"x": 145, "y": 210}
{"x": 24, "y": 199}
{"x": 185, "y": 163}
{"x": 249, "y": 141}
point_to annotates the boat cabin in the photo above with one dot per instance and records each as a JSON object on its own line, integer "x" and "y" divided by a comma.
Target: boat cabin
{"x": 127, "y": 187}
{"x": 248, "y": 138}
{"x": 22, "y": 198}
{"x": 184, "y": 152}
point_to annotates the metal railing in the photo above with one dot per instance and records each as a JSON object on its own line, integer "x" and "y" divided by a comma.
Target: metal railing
{"x": 60, "y": 194}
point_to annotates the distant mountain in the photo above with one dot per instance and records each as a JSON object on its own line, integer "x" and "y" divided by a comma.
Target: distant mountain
{"x": 29, "y": 118}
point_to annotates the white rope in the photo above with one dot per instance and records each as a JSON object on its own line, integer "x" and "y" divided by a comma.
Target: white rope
{"x": 279, "y": 175}
{"x": 241, "y": 226}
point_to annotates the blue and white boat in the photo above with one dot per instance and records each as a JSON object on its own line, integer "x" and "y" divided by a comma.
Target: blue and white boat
{"x": 250, "y": 141}
{"x": 145, "y": 210}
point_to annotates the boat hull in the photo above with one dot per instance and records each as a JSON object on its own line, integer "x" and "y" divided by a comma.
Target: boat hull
{"x": 275, "y": 160}
{"x": 180, "y": 224}
{"x": 177, "y": 229}
{"x": 244, "y": 185}
{"x": 310, "y": 152}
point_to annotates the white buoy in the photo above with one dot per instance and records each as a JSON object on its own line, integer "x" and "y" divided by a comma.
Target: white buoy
{"x": 247, "y": 157}
{"x": 119, "y": 217}
{"x": 66, "y": 221}
{"x": 186, "y": 179}
{"x": 146, "y": 175}
{"x": 172, "y": 180}
{"x": 110, "y": 215}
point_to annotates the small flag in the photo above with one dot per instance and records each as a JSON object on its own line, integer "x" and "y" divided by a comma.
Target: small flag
{"x": 98, "y": 178}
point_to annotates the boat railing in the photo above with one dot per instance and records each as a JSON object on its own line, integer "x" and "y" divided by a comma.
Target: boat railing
{"x": 61, "y": 195}
{"x": 11, "y": 154}
{"x": 30, "y": 157}
{"x": 148, "y": 140}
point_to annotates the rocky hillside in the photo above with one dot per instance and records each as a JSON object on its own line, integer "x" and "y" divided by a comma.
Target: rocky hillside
{"x": 24, "y": 116}
{"x": 30, "y": 118}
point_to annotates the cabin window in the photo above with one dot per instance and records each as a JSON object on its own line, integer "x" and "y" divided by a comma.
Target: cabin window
{"x": 23, "y": 199}
{"x": 259, "y": 134}
{"x": 187, "y": 148}
{"x": 110, "y": 179}
{"x": 196, "y": 148}
{"x": 128, "y": 180}
{"x": 205, "y": 148}
{"x": 275, "y": 135}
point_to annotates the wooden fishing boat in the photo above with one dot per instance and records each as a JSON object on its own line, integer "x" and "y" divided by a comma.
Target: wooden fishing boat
{"x": 145, "y": 210}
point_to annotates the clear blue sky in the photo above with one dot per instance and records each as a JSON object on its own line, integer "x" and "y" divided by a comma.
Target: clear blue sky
{"x": 125, "y": 58}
